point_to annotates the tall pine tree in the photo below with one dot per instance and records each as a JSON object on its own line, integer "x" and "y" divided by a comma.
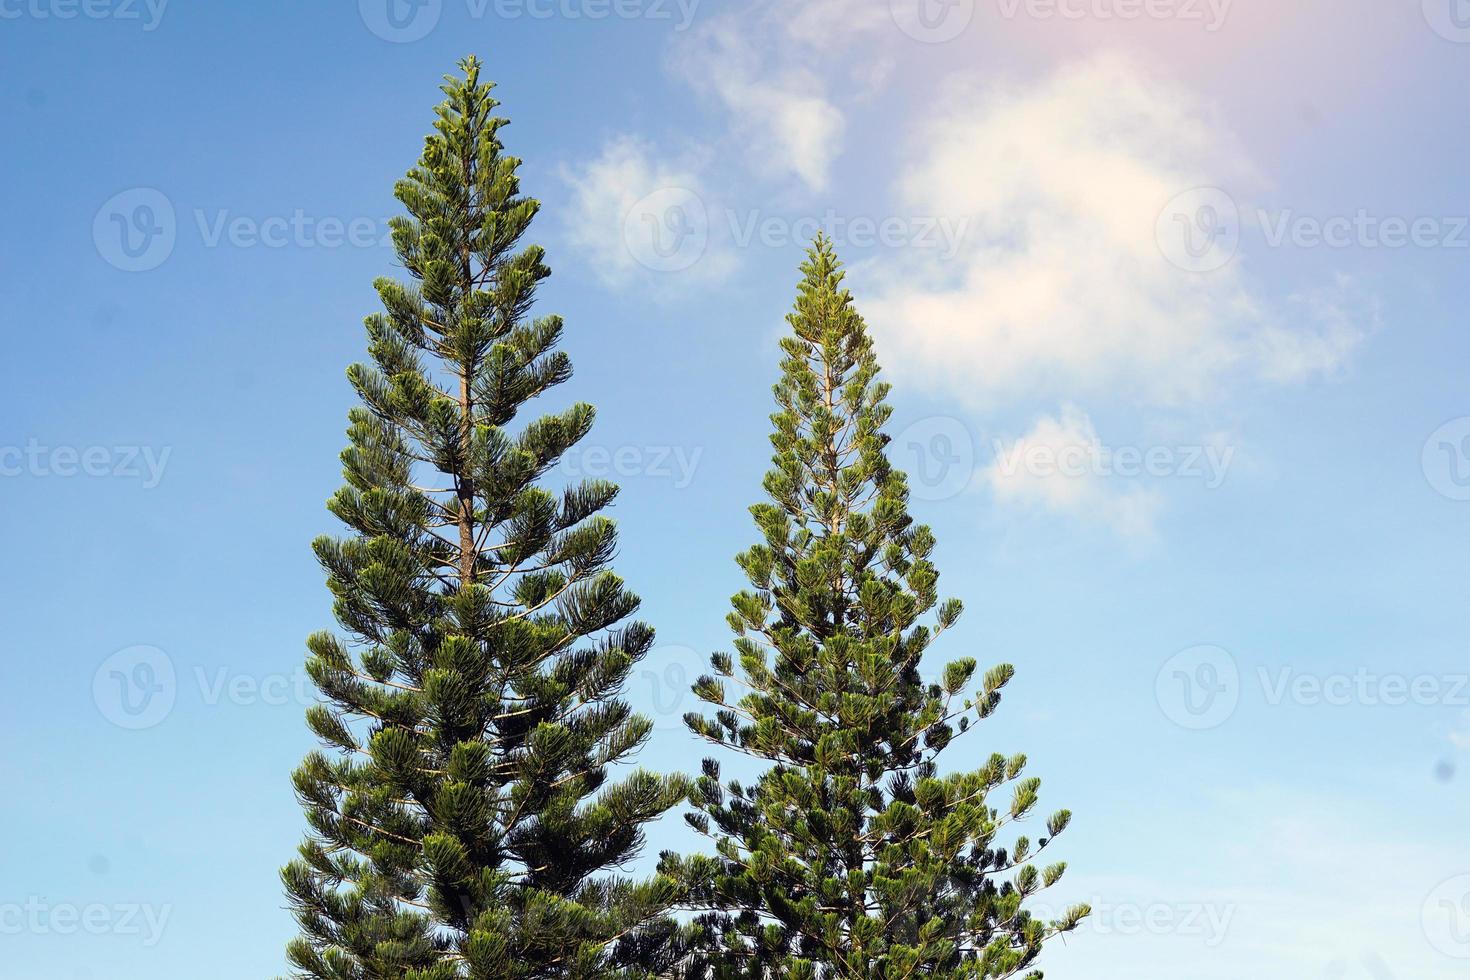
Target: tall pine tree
{"x": 467, "y": 823}
{"x": 852, "y": 857}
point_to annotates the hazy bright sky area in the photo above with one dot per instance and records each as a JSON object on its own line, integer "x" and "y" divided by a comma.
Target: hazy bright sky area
{"x": 1172, "y": 294}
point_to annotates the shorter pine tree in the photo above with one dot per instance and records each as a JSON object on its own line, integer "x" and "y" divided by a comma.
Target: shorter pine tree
{"x": 852, "y": 857}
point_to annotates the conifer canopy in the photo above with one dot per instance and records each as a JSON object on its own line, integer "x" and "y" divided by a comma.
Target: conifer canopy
{"x": 853, "y": 856}
{"x": 466, "y": 819}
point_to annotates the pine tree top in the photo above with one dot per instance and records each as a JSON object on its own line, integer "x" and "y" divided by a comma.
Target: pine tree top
{"x": 852, "y": 855}
{"x": 473, "y": 812}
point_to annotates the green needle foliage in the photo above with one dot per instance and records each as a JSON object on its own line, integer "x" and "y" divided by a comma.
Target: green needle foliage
{"x": 852, "y": 856}
{"x": 465, "y": 823}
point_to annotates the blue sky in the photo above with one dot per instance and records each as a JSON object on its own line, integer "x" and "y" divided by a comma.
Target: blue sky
{"x": 1171, "y": 293}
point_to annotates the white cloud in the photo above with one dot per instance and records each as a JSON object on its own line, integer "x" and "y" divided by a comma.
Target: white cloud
{"x": 824, "y": 24}
{"x": 765, "y": 65}
{"x": 1053, "y": 468}
{"x": 1063, "y": 289}
{"x": 1340, "y": 315}
{"x": 637, "y": 218}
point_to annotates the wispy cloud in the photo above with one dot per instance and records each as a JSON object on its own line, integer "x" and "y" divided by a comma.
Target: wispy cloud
{"x": 1015, "y": 478}
{"x": 634, "y": 215}
{"x": 769, "y": 66}
{"x": 1064, "y": 289}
